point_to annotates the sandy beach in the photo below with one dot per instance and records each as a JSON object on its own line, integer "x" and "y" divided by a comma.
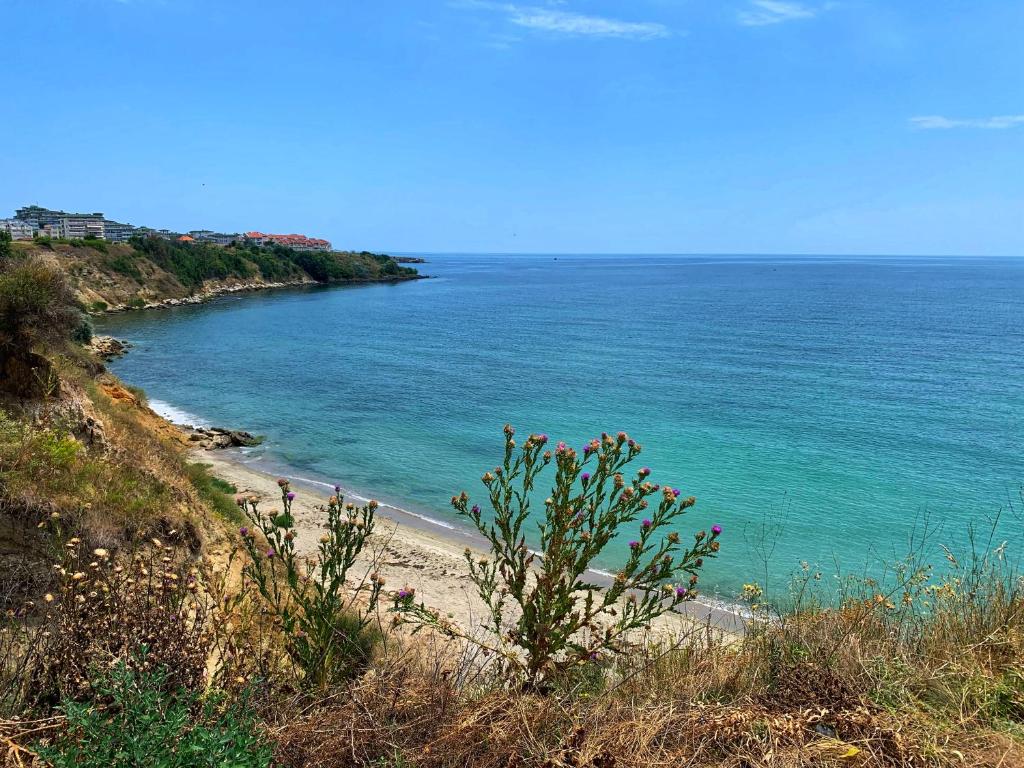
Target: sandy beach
{"x": 413, "y": 552}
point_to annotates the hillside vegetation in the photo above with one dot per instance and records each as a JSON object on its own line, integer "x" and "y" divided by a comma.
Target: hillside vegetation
{"x": 145, "y": 271}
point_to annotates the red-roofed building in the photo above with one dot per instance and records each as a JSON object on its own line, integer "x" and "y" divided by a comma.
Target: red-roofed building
{"x": 186, "y": 239}
{"x": 298, "y": 242}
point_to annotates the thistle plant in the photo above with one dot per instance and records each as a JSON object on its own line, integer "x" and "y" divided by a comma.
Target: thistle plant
{"x": 324, "y": 617}
{"x": 545, "y": 613}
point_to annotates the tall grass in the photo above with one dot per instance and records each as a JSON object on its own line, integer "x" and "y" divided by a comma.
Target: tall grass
{"x": 218, "y": 493}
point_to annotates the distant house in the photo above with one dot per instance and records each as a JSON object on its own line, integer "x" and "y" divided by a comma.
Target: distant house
{"x": 117, "y": 232}
{"x": 82, "y": 225}
{"x": 297, "y": 242}
{"x": 219, "y": 238}
{"x": 186, "y": 239}
{"x": 39, "y": 216}
{"x": 73, "y": 226}
{"x": 17, "y": 229}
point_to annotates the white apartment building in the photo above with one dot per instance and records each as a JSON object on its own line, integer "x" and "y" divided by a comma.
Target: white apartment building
{"x": 18, "y": 229}
{"x": 82, "y": 226}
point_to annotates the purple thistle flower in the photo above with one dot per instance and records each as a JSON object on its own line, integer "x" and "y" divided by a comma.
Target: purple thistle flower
{"x": 243, "y": 531}
{"x": 681, "y": 592}
{"x": 543, "y": 439}
{"x": 676, "y": 492}
{"x": 645, "y": 471}
{"x": 646, "y": 523}
{"x": 585, "y": 477}
{"x": 586, "y": 449}
{"x": 476, "y": 509}
{"x": 291, "y": 495}
{"x": 337, "y": 489}
{"x": 715, "y": 530}
{"x": 634, "y": 545}
{"x": 270, "y": 554}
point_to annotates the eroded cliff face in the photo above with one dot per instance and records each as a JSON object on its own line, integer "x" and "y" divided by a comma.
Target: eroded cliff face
{"x": 110, "y": 277}
{"x": 91, "y": 466}
{"x": 101, "y": 287}
{"x": 93, "y": 454}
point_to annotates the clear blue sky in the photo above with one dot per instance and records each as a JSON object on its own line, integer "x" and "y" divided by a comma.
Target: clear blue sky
{"x": 855, "y": 126}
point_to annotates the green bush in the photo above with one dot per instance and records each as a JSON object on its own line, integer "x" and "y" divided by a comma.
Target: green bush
{"x": 325, "y": 619}
{"x": 215, "y": 492}
{"x": 131, "y": 722}
{"x": 60, "y": 450}
{"x": 124, "y": 264}
{"x": 83, "y": 333}
{"x": 194, "y": 262}
{"x": 90, "y": 241}
{"x": 36, "y": 305}
{"x": 545, "y": 615}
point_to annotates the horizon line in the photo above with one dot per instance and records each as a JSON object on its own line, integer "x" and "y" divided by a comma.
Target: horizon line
{"x": 737, "y": 254}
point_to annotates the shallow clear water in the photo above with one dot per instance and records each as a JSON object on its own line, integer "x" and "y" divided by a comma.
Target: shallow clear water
{"x": 839, "y": 397}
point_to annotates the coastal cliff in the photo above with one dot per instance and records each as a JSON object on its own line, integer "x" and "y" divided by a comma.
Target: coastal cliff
{"x": 151, "y": 272}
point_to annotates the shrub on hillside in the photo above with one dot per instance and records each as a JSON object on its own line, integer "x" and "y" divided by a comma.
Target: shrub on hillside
{"x": 326, "y": 619}
{"x": 133, "y": 719}
{"x": 105, "y": 611}
{"x": 38, "y": 312}
{"x": 192, "y": 263}
{"x": 37, "y": 305}
{"x": 546, "y": 614}
{"x": 50, "y": 467}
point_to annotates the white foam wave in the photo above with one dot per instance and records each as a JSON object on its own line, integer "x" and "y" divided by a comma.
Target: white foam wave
{"x": 176, "y": 415}
{"x": 353, "y": 495}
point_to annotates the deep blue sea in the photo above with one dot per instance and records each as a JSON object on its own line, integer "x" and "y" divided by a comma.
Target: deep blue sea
{"x": 819, "y": 408}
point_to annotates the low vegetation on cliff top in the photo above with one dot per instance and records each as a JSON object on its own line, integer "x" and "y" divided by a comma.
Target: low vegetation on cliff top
{"x": 148, "y": 269}
{"x": 138, "y": 630}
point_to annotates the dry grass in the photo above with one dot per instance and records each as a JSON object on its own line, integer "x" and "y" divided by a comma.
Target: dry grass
{"x": 704, "y": 703}
{"x": 935, "y": 678}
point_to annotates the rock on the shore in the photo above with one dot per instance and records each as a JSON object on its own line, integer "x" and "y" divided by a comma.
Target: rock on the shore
{"x": 107, "y": 347}
{"x": 209, "y": 292}
{"x": 212, "y": 438}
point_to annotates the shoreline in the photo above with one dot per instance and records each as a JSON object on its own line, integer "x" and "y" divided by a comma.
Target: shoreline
{"x": 210, "y": 294}
{"x": 420, "y": 551}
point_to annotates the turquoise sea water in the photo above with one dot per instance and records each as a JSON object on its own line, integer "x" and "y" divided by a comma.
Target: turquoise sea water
{"x": 838, "y": 398}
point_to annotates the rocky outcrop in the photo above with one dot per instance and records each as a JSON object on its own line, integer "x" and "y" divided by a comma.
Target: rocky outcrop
{"x": 107, "y": 347}
{"x": 211, "y": 290}
{"x": 212, "y": 438}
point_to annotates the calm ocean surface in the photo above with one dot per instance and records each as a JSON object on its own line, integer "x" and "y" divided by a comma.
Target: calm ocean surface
{"x": 837, "y": 399}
